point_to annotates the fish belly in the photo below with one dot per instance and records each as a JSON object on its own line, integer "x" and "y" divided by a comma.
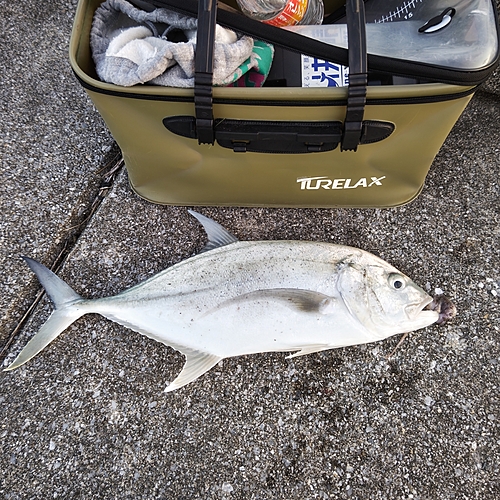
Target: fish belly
{"x": 239, "y": 329}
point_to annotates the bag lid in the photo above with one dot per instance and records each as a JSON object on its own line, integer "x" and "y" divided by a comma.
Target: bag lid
{"x": 458, "y": 34}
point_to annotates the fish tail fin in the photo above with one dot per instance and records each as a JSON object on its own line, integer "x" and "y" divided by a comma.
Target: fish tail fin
{"x": 59, "y": 292}
{"x": 66, "y": 312}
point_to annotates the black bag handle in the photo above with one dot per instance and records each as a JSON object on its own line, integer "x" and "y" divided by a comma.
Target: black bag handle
{"x": 358, "y": 77}
{"x": 269, "y": 136}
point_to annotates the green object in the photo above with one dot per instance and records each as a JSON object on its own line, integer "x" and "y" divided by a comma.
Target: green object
{"x": 253, "y": 72}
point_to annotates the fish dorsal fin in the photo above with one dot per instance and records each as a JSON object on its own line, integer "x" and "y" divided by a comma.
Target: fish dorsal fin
{"x": 197, "y": 363}
{"x": 310, "y": 349}
{"x": 304, "y": 300}
{"x": 217, "y": 235}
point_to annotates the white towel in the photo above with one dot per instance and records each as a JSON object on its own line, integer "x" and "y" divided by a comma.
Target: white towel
{"x": 128, "y": 50}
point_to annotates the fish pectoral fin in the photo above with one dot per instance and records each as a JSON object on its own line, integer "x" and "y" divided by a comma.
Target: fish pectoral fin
{"x": 197, "y": 363}
{"x": 310, "y": 349}
{"x": 305, "y": 300}
{"x": 296, "y": 298}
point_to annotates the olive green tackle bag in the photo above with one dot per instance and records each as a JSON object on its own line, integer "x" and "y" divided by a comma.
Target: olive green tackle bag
{"x": 409, "y": 70}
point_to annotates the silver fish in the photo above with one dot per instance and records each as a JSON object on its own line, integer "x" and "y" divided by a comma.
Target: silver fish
{"x": 244, "y": 297}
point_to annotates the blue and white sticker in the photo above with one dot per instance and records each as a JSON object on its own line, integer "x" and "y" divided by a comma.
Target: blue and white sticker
{"x": 319, "y": 73}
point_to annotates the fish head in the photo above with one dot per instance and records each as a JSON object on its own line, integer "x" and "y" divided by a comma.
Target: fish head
{"x": 383, "y": 299}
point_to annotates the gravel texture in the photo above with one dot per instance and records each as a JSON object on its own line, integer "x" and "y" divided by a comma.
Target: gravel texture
{"x": 88, "y": 418}
{"x": 52, "y": 145}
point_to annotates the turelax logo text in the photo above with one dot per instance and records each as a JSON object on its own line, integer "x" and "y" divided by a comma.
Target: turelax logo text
{"x": 326, "y": 183}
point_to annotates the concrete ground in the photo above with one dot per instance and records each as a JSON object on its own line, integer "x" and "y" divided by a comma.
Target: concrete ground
{"x": 88, "y": 418}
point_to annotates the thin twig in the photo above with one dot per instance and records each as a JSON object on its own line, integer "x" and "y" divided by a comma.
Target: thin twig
{"x": 401, "y": 340}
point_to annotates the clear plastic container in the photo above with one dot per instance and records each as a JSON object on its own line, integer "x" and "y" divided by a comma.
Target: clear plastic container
{"x": 467, "y": 42}
{"x": 284, "y": 12}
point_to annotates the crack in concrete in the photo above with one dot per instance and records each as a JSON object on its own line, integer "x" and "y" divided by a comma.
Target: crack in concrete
{"x": 108, "y": 176}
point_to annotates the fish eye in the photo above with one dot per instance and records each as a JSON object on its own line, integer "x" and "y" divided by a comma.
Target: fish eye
{"x": 396, "y": 281}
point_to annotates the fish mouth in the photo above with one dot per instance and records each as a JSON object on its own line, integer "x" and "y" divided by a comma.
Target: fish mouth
{"x": 439, "y": 310}
{"x": 418, "y": 308}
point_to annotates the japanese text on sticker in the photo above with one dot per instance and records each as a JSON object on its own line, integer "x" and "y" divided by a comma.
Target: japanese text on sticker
{"x": 320, "y": 73}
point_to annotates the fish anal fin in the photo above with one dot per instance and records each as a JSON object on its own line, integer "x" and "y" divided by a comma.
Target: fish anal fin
{"x": 310, "y": 349}
{"x": 218, "y": 236}
{"x": 197, "y": 363}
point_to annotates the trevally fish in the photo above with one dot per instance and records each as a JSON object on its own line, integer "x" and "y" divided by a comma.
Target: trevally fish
{"x": 245, "y": 297}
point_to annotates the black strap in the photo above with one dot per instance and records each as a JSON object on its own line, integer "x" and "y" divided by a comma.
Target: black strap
{"x": 207, "y": 11}
{"x": 358, "y": 75}
{"x": 204, "y": 68}
{"x": 273, "y": 136}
